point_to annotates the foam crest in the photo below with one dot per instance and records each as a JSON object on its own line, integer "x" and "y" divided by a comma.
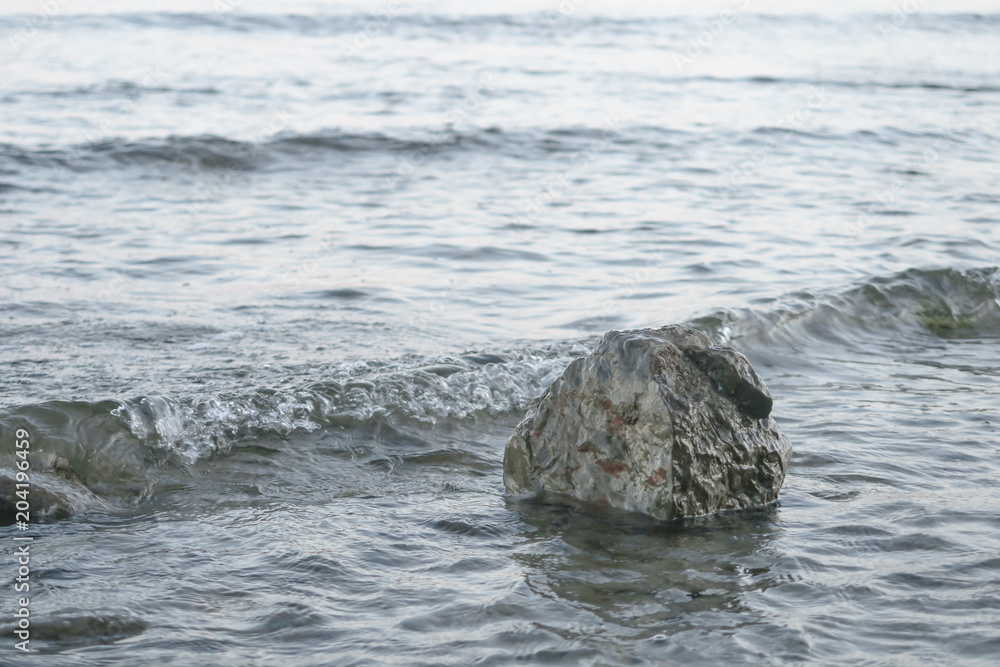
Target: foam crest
{"x": 415, "y": 392}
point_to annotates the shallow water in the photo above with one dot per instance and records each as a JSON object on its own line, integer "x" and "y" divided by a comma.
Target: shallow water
{"x": 279, "y": 295}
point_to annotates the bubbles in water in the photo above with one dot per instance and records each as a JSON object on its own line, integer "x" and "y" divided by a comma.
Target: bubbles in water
{"x": 409, "y": 391}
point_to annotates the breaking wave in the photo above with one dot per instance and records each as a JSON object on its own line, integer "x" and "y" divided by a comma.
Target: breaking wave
{"x": 109, "y": 448}
{"x": 944, "y": 302}
{"x": 109, "y": 445}
{"x": 419, "y": 393}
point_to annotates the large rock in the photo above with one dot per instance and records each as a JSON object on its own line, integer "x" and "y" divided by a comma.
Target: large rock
{"x": 658, "y": 421}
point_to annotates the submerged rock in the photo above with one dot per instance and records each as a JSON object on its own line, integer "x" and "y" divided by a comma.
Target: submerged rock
{"x": 54, "y": 492}
{"x": 658, "y": 421}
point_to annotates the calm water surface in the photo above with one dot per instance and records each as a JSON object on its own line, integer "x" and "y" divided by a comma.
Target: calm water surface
{"x": 278, "y": 279}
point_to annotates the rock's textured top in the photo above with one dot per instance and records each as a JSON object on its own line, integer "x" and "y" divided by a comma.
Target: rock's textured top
{"x": 658, "y": 421}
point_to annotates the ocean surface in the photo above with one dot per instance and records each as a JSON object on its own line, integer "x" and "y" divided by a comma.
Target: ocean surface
{"x": 277, "y": 280}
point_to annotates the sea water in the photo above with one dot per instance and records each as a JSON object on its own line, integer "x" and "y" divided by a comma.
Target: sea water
{"x": 279, "y": 278}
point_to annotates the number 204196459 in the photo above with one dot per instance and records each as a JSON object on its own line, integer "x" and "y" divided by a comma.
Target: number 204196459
{"x": 22, "y": 445}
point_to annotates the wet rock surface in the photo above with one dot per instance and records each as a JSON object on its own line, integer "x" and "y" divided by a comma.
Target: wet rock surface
{"x": 657, "y": 421}
{"x": 54, "y": 492}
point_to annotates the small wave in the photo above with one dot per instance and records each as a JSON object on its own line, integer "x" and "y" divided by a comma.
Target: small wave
{"x": 415, "y": 392}
{"x": 69, "y": 631}
{"x": 113, "y": 448}
{"x": 205, "y": 152}
{"x": 223, "y": 153}
{"x": 331, "y": 24}
{"x": 112, "y": 89}
{"x": 788, "y": 131}
{"x": 214, "y": 152}
{"x": 943, "y": 302}
{"x": 326, "y": 24}
{"x": 858, "y": 84}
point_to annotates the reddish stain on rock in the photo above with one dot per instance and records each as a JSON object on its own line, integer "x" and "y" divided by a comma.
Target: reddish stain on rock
{"x": 613, "y": 468}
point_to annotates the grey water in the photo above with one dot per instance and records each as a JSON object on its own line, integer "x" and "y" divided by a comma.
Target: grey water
{"x": 278, "y": 279}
